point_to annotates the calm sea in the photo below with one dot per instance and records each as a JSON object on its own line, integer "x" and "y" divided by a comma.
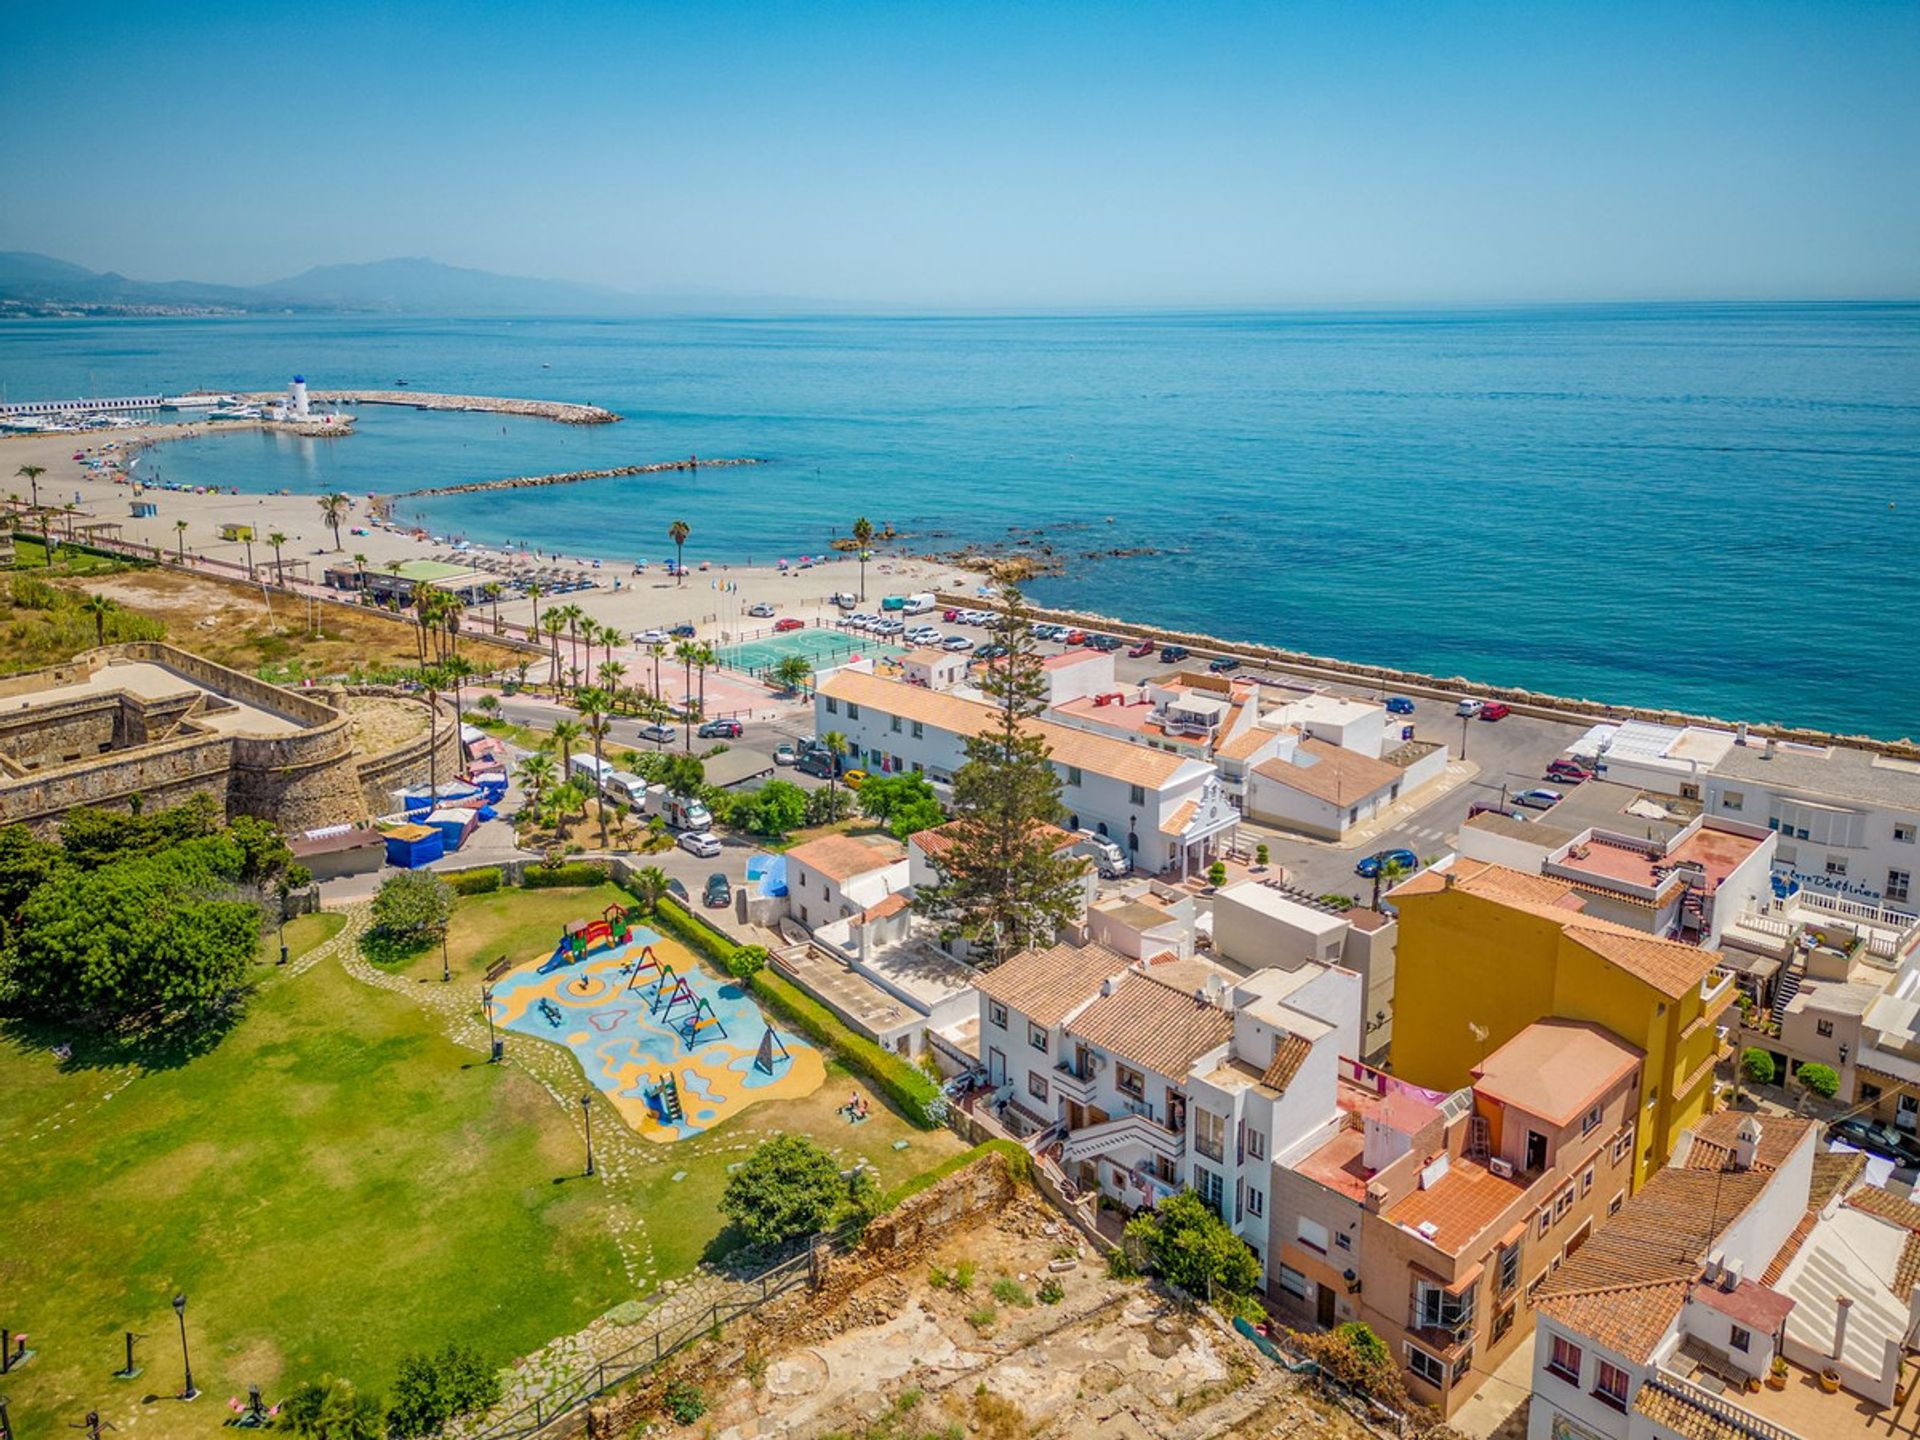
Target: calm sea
{"x": 1708, "y": 507}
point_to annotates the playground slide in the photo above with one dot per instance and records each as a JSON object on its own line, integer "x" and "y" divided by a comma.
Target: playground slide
{"x": 562, "y": 955}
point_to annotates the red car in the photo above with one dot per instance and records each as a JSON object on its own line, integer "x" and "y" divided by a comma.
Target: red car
{"x": 1494, "y": 710}
{"x": 950, "y": 616}
{"x": 1145, "y": 647}
{"x": 781, "y": 626}
{"x": 1074, "y": 637}
{"x": 1568, "y": 770}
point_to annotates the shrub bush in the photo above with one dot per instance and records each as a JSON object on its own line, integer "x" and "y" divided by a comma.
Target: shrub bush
{"x": 478, "y": 882}
{"x": 788, "y": 1187}
{"x": 577, "y": 875}
{"x": 1757, "y": 1066}
{"x": 1820, "y": 1079}
{"x": 684, "y": 1401}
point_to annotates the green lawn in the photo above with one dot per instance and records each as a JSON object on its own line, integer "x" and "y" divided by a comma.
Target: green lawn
{"x": 336, "y": 1183}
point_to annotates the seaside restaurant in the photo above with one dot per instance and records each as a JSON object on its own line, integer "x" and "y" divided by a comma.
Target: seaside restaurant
{"x": 381, "y": 586}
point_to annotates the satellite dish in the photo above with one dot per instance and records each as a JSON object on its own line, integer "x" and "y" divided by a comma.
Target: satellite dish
{"x": 1479, "y": 1032}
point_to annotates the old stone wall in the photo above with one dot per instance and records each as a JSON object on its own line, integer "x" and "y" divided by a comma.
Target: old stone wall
{"x": 406, "y": 764}
{"x": 161, "y": 775}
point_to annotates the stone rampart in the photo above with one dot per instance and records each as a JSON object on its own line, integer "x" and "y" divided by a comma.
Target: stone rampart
{"x": 406, "y": 763}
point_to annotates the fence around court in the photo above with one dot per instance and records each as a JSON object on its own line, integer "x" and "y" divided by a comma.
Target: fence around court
{"x": 817, "y": 645}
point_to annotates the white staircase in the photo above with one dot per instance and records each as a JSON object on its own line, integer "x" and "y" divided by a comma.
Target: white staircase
{"x": 1092, "y": 1141}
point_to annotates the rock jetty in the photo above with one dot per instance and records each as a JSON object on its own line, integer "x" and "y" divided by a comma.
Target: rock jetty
{"x": 560, "y": 410}
{"x": 570, "y": 477}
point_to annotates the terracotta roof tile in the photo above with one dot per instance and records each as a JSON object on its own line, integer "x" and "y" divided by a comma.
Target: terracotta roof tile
{"x": 1556, "y": 1069}
{"x": 1460, "y": 1205}
{"x": 1103, "y": 755}
{"x": 1888, "y": 1206}
{"x": 841, "y": 857}
{"x": 936, "y": 842}
{"x": 892, "y": 905}
{"x": 1338, "y": 775}
{"x": 1176, "y": 823}
{"x": 1156, "y": 1026}
{"x": 1625, "y": 1286}
{"x": 1289, "y": 1054}
{"x": 1714, "y": 1135}
{"x": 1675, "y": 1410}
{"x": 1248, "y": 743}
{"x": 1048, "y": 985}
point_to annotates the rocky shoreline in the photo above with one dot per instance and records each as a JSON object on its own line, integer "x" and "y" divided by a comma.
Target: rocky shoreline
{"x": 562, "y": 411}
{"x": 568, "y": 477}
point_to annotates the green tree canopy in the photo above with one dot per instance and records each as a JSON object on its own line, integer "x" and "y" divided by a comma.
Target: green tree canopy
{"x": 412, "y": 908}
{"x": 1820, "y": 1079}
{"x": 1002, "y": 884}
{"x": 788, "y": 1187}
{"x": 430, "y": 1390}
{"x": 775, "y": 809}
{"x": 149, "y": 938}
{"x": 1190, "y": 1246}
{"x": 333, "y": 1410}
{"x": 1757, "y": 1066}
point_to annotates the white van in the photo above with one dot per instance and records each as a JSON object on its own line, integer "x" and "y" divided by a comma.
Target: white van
{"x": 918, "y": 604}
{"x": 594, "y": 772}
{"x": 623, "y": 787}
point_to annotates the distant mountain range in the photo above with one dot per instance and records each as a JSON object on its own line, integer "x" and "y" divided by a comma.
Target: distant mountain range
{"x": 33, "y": 284}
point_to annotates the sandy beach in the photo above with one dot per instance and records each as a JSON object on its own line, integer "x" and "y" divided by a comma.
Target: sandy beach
{"x": 715, "y": 600}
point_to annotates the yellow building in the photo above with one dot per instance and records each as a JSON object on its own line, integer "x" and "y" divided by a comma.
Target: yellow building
{"x": 1485, "y": 951}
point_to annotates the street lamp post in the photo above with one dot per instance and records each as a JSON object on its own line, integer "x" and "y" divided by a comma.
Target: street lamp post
{"x": 6, "y": 1425}
{"x": 446, "y": 965}
{"x": 186, "y": 1360}
{"x": 586, "y": 1110}
{"x": 493, "y": 1042}
{"x": 1463, "y": 735}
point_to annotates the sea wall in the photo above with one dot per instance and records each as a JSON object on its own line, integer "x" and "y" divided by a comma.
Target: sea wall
{"x": 1413, "y": 682}
{"x": 562, "y": 411}
{"x": 406, "y": 763}
{"x": 567, "y": 477}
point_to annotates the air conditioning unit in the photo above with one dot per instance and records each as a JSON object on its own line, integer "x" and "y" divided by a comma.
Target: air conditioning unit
{"x": 1502, "y": 1168}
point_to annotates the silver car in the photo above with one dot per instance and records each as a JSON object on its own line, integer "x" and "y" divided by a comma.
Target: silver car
{"x": 703, "y": 843}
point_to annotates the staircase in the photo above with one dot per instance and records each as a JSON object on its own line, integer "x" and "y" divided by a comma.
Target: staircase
{"x": 670, "y": 1098}
{"x": 1788, "y": 985}
{"x": 1092, "y": 1141}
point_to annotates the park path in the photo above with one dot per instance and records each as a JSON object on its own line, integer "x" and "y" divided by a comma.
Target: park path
{"x": 621, "y": 1159}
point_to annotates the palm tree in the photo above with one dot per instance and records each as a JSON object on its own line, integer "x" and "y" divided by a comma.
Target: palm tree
{"x": 836, "y": 744}
{"x": 180, "y": 531}
{"x": 574, "y": 616}
{"x": 246, "y": 536}
{"x": 276, "y": 539}
{"x": 650, "y": 886}
{"x": 99, "y": 607}
{"x": 703, "y": 657}
{"x": 656, "y": 650}
{"x": 678, "y": 532}
{"x": 333, "y": 510}
{"x": 554, "y": 624}
{"x": 433, "y": 680}
{"x": 793, "y": 672}
{"x": 1387, "y": 871}
{"x": 493, "y": 589}
{"x": 611, "y": 674}
{"x": 685, "y": 652}
{"x": 536, "y": 772}
{"x": 360, "y": 572}
{"x": 565, "y": 733}
{"x": 863, "y": 537}
{"x": 534, "y": 592}
{"x": 33, "y": 474}
{"x": 459, "y": 670}
{"x": 592, "y": 705}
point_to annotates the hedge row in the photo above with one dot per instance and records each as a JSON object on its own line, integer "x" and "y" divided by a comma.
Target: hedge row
{"x": 478, "y": 882}
{"x": 558, "y": 877}
{"x": 910, "y": 1088}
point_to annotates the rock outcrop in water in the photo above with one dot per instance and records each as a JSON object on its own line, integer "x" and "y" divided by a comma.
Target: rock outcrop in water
{"x": 570, "y": 477}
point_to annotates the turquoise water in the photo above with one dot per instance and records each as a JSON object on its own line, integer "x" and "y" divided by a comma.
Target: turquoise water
{"x": 1711, "y": 507}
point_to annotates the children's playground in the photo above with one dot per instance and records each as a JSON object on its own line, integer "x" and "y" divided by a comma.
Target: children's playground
{"x": 676, "y": 1050}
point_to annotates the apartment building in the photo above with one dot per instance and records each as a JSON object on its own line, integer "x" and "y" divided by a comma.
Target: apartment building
{"x": 1168, "y": 811}
{"x": 1158, "y": 1077}
{"x": 1485, "y": 951}
{"x": 1750, "y": 1246}
{"x": 838, "y": 876}
{"x": 1432, "y": 1218}
{"x": 1848, "y": 819}
{"x": 1258, "y": 924}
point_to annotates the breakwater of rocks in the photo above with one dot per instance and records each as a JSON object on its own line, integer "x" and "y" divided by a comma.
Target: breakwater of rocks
{"x": 562, "y": 411}
{"x": 570, "y": 477}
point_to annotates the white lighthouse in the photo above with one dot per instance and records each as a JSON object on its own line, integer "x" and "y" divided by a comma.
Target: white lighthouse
{"x": 297, "y": 398}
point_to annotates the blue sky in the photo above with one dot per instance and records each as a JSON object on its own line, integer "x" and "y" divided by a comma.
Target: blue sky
{"x": 948, "y": 154}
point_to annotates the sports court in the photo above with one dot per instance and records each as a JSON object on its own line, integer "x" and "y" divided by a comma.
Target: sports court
{"x": 822, "y": 648}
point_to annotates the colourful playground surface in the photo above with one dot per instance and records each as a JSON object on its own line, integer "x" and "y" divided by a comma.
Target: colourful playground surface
{"x": 676, "y": 1050}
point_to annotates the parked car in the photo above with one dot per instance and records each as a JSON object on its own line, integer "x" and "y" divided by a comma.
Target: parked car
{"x": 1399, "y": 705}
{"x": 1144, "y": 648}
{"x": 952, "y": 617}
{"x": 989, "y": 652}
{"x": 762, "y": 611}
{"x": 1488, "y": 807}
{"x": 678, "y": 891}
{"x": 1538, "y": 799}
{"x": 1373, "y": 864}
{"x": 780, "y": 627}
{"x": 1569, "y": 772}
{"x": 721, "y": 730}
{"x": 659, "y": 734}
{"x": 1864, "y": 1133}
{"x": 682, "y": 632}
{"x": 854, "y": 779}
{"x": 1105, "y": 644}
{"x": 1174, "y": 654}
{"x": 650, "y": 637}
{"x": 1468, "y": 708}
{"x": 1494, "y": 710}
{"x": 817, "y": 763}
{"x": 1222, "y": 664}
{"x": 959, "y": 644}
{"x": 784, "y": 753}
{"x": 703, "y": 843}
{"x": 717, "y": 893}
{"x": 1074, "y": 637}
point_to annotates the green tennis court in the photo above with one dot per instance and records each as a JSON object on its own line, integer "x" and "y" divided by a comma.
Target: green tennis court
{"x": 821, "y": 647}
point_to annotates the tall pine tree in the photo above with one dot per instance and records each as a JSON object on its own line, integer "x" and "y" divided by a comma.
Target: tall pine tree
{"x": 1003, "y": 885}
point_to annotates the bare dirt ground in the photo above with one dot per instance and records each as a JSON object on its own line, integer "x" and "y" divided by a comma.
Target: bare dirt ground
{"x": 381, "y": 722}
{"x": 963, "y": 1345}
